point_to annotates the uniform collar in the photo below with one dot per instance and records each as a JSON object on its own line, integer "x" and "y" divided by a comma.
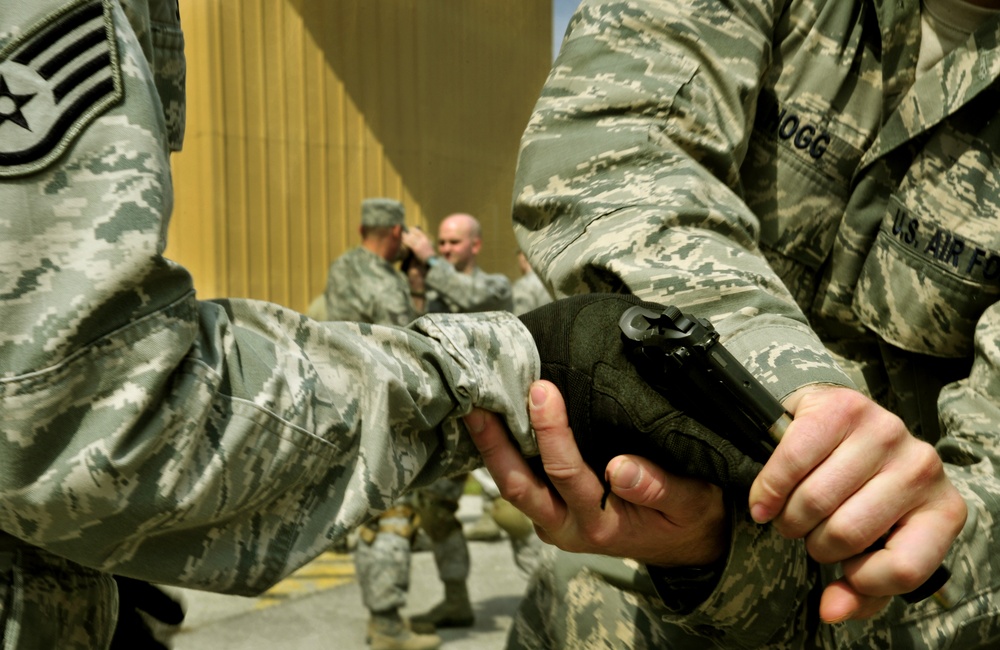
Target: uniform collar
{"x": 920, "y": 105}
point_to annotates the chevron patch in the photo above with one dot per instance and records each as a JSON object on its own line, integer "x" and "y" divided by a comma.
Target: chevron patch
{"x": 54, "y": 80}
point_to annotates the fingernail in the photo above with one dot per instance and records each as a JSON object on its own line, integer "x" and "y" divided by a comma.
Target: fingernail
{"x": 475, "y": 421}
{"x": 760, "y": 514}
{"x": 626, "y": 475}
{"x": 538, "y": 395}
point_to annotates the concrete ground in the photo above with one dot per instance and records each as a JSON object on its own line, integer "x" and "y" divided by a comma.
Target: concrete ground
{"x": 320, "y": 605}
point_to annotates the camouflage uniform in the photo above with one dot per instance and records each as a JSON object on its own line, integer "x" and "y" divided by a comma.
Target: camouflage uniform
{"x": 363, "y": 287}
{"x": 529, "y": 293}
{"x": 778, "y": 168}
{"x": 437, "y": 505}
{"x": 217, "y": 445}
{"x": 449, "y": 290}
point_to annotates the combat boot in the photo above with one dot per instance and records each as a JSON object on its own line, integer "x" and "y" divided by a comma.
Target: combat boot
{"x": 454, "y": 611}
{"x": 388, "y": 631}
{"x": 419, "y": 628}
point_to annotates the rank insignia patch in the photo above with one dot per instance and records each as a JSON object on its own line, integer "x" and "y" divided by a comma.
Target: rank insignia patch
{"x": 54, "y": 79}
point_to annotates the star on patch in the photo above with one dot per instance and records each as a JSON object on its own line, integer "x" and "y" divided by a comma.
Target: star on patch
{"x": 8, "y": 114}
{"x": 56, "y": 78}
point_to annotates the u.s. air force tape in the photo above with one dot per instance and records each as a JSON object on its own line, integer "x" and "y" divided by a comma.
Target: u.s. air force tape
{"x": 55, "y": 78}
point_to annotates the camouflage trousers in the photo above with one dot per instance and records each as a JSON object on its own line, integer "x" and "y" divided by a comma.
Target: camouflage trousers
{"x": 437, "y": 505}
{"x": 382, "y": 557}
{"x": 48, "y": 602}
{"x": 591, "y": 601}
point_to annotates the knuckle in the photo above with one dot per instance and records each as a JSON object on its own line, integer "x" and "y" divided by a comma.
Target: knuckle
{"x": 909, "y": 573}
{"x": 771, "y": 491}
{"x": 881, "y": 439}
{"x": 957, "y": 513}
{"x": 648, "y": 492}
{"x": 927, "y": 463}
{"x": 598, "y": 536}
{"x": 516, "y": 493}
{"x": 561, "y": 472}
{"x": 817, "y": 505}
{"x": 814, "y": 505}
{"x": 852, "y": 403}
{"x": 820, "y": 552}
{"x": 885, "y": 433}
{"x": 835, "y": 543}
{"x": 849, "y": 540}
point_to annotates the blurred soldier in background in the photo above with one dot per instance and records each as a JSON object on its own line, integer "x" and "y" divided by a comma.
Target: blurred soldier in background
{"x": 454, "y": 284}
{"x": 363, "y": 285}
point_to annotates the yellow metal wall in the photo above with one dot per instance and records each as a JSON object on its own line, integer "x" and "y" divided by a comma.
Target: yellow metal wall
{"x": 299, "y": 109}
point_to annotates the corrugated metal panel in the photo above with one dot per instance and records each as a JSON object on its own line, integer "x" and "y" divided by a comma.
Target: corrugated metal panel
{"x": 297, "y": 110}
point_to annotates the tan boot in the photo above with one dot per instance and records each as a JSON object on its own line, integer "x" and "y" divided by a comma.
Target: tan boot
{"x": 390, "y": 632}
{"x": 419, "y": 628}
{"x": 454, "y": 611}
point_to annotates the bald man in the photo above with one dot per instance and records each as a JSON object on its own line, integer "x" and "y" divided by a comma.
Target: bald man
{"x": 455, "y": 283}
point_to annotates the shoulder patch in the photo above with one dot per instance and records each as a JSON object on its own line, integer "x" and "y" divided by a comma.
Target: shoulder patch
{"x": 55, "y": 78}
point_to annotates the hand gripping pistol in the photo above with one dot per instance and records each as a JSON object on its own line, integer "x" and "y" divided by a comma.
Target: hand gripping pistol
{"x": 681, "y": 356}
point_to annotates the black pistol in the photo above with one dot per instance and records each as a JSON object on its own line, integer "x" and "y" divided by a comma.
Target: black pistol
{"x": 677, "y": 353}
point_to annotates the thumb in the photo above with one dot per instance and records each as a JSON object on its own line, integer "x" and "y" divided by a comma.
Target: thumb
{"x": 638, "y": 481}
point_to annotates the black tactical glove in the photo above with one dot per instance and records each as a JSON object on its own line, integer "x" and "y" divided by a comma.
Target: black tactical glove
{"x": 613, "y": 410}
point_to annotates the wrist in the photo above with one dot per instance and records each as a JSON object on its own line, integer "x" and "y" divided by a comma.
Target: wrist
{"x": 792, "y": 401}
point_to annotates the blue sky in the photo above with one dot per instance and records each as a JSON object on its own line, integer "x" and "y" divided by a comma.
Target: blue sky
{"x": 562, "y": 10}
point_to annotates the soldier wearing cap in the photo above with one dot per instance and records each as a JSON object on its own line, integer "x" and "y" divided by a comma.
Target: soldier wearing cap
{"x": 364, "y": 285}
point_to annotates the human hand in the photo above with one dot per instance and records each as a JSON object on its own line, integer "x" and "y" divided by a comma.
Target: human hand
{"x": 846, "y": 473}
{"x": 416, "y": 275}
{"x": 651, "y": 516}
{"x": 417, "y": 241}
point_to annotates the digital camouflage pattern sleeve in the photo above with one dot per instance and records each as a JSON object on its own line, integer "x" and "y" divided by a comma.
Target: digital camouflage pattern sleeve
{"x": 622, "y": 176}
{"x": 637, "y": 172}
{"x": 609, "y": 195}
{"x": 212, "y": 444}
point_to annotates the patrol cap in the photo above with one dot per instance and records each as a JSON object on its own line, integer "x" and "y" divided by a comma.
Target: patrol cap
{"x": 382, "y": 212}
